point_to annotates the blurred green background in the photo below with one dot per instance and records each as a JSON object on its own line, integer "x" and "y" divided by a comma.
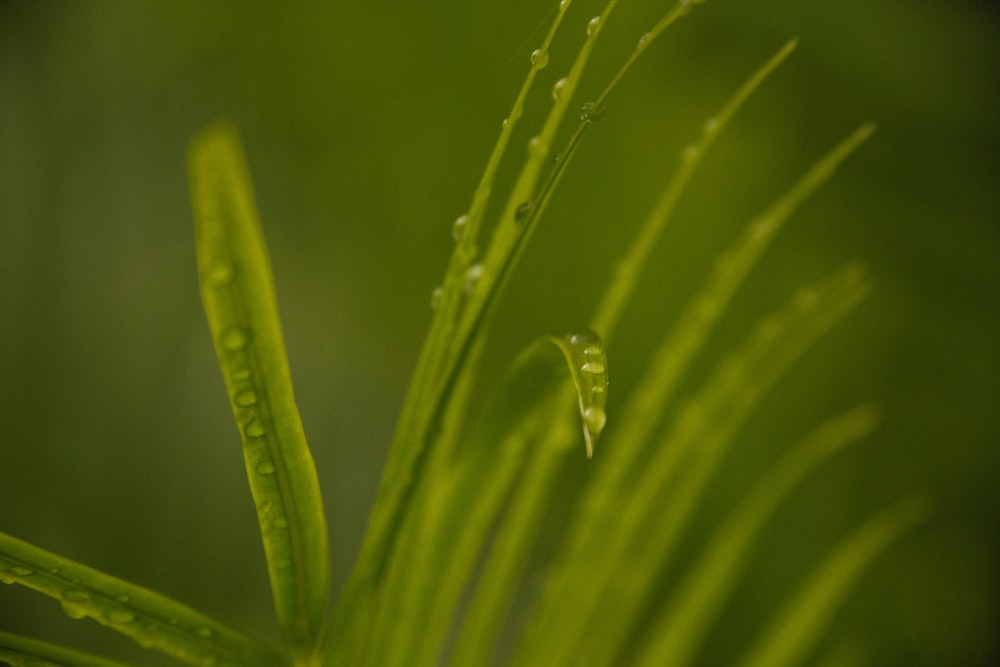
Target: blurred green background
{"x": 366, "y": 125}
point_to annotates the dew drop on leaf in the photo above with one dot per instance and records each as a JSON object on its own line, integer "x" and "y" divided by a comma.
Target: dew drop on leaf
{"x": 234, "y": 340}
{"x": 592, "y": 25}
{"x": 557, "y": 88}
{"x": 265, "y": 468}
{"x": 246, "y": 398}
{"x": 539, "y": 58}
{"x": 254, "y": 429}
{"x": 458, "y": 227}
{"x": 472, "y": 277}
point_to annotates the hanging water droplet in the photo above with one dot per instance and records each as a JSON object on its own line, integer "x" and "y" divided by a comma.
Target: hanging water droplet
{"x": 234, "y": 340}
{"x": 591, "y": 112}
{"x": 595, "y": 419}
{"x": 436, "y": 295}
{"x": 254, "y": 429}
{"x": 558, "y": 87}
{"x": 522, "y": 212}
{"x": 472, "y": 276}
{"x": 240, "y": 374}
{"x": 75, "y": 603}
{"x": 592, "y": 25}
{"x": 458, "y": 227}
{"x": 539, "y": 58}
{"x": 593, "y": 367}
{"x": 246, "y": 398}
{"x": 504, "y": 122}
{"x": 120, "y": 617}
{"x": 265, "y": 468}
{"x": 563, "y": 4}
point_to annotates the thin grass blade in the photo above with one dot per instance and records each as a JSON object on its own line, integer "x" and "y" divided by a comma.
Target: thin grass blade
{"x": 796, "y": 628}
{"x": 631, "y": 265}
{"x": 612, "y": 558}
{"x": 458, "y": 508}
{"x": 238, "y": 294}
{"x": 152, "y": 620}
{"x": 24, "y": 652}
{"x": 675, "y": 635}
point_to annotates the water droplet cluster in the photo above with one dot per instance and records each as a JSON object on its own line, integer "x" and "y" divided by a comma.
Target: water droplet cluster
{"x": 590, "y": 361}
{"x": 591, "y": 112}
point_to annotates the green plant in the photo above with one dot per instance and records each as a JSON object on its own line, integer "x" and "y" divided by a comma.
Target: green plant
{"x": 465, "y": 493}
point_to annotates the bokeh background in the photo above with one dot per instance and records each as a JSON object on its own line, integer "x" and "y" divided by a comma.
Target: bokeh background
{"x": 366, "y": 125}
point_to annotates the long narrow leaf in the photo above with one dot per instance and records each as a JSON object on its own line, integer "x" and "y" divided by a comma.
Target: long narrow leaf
{"x": 676, "y": 633}
{"x": 153, "y": 620}
{"x": 238, "y": 295}
{"x": 24, "y": 652}
{"x": 612, "y": 556}
{"x": 459, "y": 508}
{"x": 796, "y": 628}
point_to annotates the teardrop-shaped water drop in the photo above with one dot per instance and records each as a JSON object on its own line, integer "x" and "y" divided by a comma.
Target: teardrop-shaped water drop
{"x": 472, "y": 276}
{"x": 254, "y": 429}
{"x": 234, "y": 340}
{"x": 246, "y": 398}
{"x": 539, "y": 58}
{"x": 120, "y": 617}
{"x": 592, "y": 25}
{"x": 75, "y": 603}
{"x": 557, "y": 88}
{"x": 458, "y": 227}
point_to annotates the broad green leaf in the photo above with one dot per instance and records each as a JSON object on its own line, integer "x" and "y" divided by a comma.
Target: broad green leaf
{"x": 238, "y": 294}
{"x": 797, "y": 627}
{"x": 680, "y": 627}
{"x": 151, "y": 619}
{"x": 24, "y": 652}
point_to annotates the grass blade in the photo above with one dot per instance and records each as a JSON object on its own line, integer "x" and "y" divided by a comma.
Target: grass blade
{"x": 630, "y": 267}
{"x": 238, "y": 295}
{"x": 797, "y": 626}
{"x": 457, "y": 511}
{"x": 23, "y": 652}
{"x": 152, "y": 620}
{"x": 676, "y": 633}
{"x": 612, "y": 549}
